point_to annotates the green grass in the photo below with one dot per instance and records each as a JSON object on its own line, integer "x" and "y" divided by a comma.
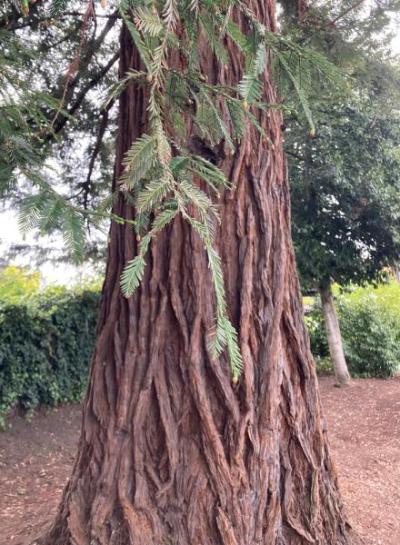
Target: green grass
{"x": 386, "y": 295}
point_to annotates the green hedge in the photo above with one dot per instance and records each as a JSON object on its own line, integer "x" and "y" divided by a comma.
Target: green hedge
{"x": 46, "y": 343}
{"x": 370, "y": 325}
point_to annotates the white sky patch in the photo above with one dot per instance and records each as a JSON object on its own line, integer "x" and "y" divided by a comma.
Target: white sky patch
{"x": 52, "y": 272}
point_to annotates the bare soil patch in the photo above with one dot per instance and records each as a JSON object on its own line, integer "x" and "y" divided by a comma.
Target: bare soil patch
{"x": 364, "y": 430}
{"x": 364, "y": 427}
{"x": 35, "y": 462}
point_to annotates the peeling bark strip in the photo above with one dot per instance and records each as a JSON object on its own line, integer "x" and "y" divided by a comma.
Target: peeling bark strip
{"x": 171, "y": 452}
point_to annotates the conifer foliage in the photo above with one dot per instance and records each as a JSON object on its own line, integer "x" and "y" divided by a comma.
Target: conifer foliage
{"x": 161, "y": 171}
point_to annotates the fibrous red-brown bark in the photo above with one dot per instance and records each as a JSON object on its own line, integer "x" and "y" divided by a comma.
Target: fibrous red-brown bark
{"x": 171, "y": 452}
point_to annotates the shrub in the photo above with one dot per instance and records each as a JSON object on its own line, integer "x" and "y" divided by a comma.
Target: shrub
{"x": 316, "y": 329}
{"x": 45, "y": 347}
{"x": 370, "y": 325}
{"x": 371, "y": 339}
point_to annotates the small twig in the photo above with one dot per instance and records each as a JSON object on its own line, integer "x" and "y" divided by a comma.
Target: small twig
{"x": 295, "y": 155}
{"x": 97, "y": 147}
{"x": 74, "y": 65}
{"x": 82, "y": 94}
{"x": 345, "y": 12}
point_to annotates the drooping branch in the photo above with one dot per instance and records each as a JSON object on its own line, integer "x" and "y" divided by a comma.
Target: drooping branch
{"x": 64, "y": 91}
{"x": 91, "y": 84}
{"x": 346, "y": 12}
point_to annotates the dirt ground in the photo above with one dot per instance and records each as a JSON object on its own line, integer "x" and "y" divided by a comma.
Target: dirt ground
{"x": 364, "y": 424}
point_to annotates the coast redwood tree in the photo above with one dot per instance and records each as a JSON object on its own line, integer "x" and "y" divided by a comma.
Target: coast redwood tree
{"x": 174, "y": 449}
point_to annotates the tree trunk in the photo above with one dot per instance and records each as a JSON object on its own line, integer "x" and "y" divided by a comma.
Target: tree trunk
{"x": 171, "y": 451}
{"x": 334, "y": 336}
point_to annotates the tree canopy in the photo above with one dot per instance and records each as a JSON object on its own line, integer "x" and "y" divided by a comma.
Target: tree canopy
{"x": 345, "y": 177}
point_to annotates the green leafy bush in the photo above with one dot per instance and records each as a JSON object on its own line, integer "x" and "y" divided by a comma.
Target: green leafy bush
{"x": 45, "y": 347}
{"x": 316, "y": 329}
{"x": 371, "y": 339}
{"x": 370, "y": 325}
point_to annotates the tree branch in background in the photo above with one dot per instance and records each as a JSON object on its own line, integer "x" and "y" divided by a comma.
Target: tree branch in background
{"x": 295, "y": 155}
{"x": 63, "y": 118}
{"x": 65, "y": 91}
{"x": 86, "y": 185}
{"x": 345, "y": 12}
{"x": 10, "y": 20}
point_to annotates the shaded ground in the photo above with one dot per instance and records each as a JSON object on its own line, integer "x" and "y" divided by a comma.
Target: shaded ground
{"x": 364, "y": 423}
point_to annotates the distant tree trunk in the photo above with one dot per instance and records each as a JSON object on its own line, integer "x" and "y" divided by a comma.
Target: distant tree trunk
{"x": 334, "y": 335}
{"x": 171, "y": 451}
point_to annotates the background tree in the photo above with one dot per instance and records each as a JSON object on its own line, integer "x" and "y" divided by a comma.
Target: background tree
{"x": 56, "y": 138}
{"x": 345, "y": 181}
{"x": 346, "y": 208}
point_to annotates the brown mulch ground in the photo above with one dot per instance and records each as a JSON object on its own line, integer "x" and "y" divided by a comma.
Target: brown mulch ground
{"x": 364, "y": 422}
